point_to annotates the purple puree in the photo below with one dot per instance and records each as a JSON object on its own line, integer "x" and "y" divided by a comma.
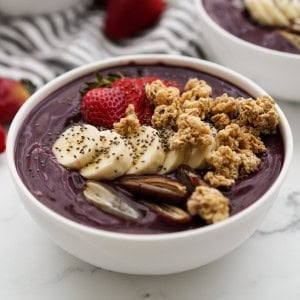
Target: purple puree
{"x": 233, "y": 17}
{"x": 61, "y": 189}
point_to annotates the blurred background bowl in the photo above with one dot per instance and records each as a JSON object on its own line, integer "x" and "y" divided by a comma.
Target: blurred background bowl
{"x": 277, "y": 72}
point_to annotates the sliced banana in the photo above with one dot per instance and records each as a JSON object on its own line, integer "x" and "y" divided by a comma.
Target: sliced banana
{"x": 76, "y": 146}
{"x": 274, "y": 12}
{"x": 290, "y": 7}
{"x": 113, "y": 160}
{"x": 258, "y": 12}
{"x": 291, "y": 10}
{"x": 148, "y": 152}
{"x": 174, "y": 158}
{"x": 197, "y": 158}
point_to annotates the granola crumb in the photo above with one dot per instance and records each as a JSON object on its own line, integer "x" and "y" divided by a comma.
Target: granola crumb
{"x": 209, "y": 203}
{"x": 199, "y": 108}
{"x": 130, "y": 124}
{"x": 165, "y": 116}
{"x": 224, "y": 161}
{"x": 250, "y": 141}
{"x": 191, "y": 131}
{"x": 225, "y": 104}
{"x": 197, "y": 89}
{"x": 159, "y": 94}
{"x": 240, "y": 138}
{"x": 260, "y": 114}
{"x": 152, "y": 89}
{"x": 217, "y": 180}
{"x": 249, "y": 162}
{"x": 220, "y": 120}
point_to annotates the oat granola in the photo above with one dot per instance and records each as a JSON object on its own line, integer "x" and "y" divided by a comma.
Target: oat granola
{"x": 196, "y": 89}
{"x": 191, "y": 131}
{"x": 209, "y": 204}
{"x": 129, "y": 124}
{"x": 224, "y": 130}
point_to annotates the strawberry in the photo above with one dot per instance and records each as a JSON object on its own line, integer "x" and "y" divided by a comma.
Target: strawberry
{"x": 2, "y": 139}
{"x": 13, "y": 94}
{"x": 125, "y": 18}
{"x": 134, "y": 90}
{"x": 103, "y": 106}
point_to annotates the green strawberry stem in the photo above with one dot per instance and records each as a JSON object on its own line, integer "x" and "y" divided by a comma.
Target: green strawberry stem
{"x": 101, "y": 81}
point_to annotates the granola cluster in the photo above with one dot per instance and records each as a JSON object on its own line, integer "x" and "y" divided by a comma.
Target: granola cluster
{"x": 233, "y": 125}
{"x": 209, "y": 204}
{"x": 226, "y": 129}
{"x": 130, "y": 124}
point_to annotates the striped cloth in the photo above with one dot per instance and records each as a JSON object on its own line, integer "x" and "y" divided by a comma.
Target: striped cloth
{"x": 41, "y": 47}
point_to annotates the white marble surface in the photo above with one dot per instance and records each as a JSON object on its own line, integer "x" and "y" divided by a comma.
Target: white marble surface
{"x": 266, "y": 266}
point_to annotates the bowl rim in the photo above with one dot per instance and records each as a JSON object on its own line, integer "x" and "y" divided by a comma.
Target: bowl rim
{"x": 208, "y": 19}
{"x": 144, "y": 59}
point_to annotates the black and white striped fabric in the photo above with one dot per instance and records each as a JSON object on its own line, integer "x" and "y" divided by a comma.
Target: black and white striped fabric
{"x": 41, "y": 47}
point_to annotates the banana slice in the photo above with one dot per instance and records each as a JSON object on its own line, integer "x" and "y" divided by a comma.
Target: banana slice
{"x": 274, "y": 13}
{"x": 76, "y": 146}
{"x": 113, "y": 160}
{"x": 291, "y": 11}
{"x": 148, "y": 152}
{"x": 197, "y": 159}
{"x": 174, "y": 158}
{"x": 282, "y": 13}
{"x": 258, "y": 12}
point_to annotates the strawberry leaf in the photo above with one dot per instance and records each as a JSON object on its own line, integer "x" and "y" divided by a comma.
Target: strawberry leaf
{"x": 100, "y": 81}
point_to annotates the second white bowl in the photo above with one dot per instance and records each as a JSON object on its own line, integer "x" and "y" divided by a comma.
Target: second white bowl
{"x": 277, "y": 72}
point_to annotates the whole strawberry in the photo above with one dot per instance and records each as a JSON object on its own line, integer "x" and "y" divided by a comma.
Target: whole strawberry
{"x": 13, "y": 94}
{"x": 103, "y": 106}
{"x": 125, "y": 18}
{"x": 2, "y": 139}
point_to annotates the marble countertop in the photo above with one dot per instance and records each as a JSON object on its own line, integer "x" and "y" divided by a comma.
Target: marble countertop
{"x": 266, "y": 266}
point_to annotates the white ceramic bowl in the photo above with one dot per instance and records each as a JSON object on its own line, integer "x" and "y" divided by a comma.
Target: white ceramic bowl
{"x": 147, "y": 254}
{"x": 30, "y": 7}
{"x": 277, "y": 72}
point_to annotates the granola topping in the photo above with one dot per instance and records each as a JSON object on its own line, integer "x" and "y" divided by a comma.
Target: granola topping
{"x": 128, "y": 125}
{"x": 208, "y": 203}
{"x": 224, "y": 131}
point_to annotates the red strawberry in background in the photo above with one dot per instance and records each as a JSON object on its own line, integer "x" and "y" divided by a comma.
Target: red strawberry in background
{"x": 13, "y": 94}
{"x": 103, "y": 106}
{"x": 125, "y": 18}
{"x": 2, "y": 139}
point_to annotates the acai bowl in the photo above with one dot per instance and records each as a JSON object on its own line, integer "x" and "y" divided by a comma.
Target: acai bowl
{"x": 146, "y": 243}
{"x": 230, "y": 36}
